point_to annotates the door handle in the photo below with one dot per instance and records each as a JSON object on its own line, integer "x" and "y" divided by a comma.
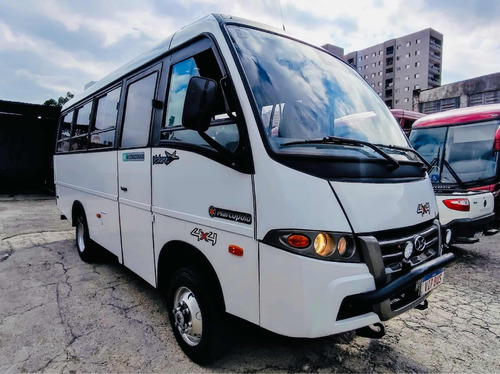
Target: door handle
{"x": 124, "y": 189}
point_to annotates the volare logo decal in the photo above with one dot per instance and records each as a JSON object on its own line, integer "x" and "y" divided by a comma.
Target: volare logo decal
{"x": 134, "y": 156}
{"x": 167, "y": 159}
{"x": 230, "y": 215}
{"x": 209, "y": 237}
{"x": 424, "y": 208}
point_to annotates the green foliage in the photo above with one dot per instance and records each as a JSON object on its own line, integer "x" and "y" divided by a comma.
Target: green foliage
{"x": 59, "y": 102}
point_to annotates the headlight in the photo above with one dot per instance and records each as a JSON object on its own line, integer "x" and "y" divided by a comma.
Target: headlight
{"x": 329, "y": 246}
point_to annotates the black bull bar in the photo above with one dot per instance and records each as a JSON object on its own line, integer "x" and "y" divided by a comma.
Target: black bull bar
{"x": 397, "y": 286}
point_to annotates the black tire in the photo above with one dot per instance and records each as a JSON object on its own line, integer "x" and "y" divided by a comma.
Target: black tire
{"x": 84, "y": 245}
{"x": 204, "y": 340}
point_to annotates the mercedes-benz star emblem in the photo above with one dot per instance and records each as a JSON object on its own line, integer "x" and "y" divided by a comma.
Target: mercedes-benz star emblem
{"x": 419, "y": 243}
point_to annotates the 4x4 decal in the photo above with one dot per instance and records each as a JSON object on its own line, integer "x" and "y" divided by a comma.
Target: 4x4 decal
{"x": 424, "y": 208}
{"x": 210, "y": 237}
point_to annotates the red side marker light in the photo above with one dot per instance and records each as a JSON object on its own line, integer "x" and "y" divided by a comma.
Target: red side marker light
{"x": 98, "y": 215}
{"x": 235, "y": 250}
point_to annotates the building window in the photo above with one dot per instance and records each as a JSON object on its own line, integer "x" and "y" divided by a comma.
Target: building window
{"x": 407, "y": 66}
{"x": 416, "y": 87}
{"x": 379, "y": 84}
{"x": 366, "y": 57}
{"x": 417, "y": 53}
{"x": 380, "y": 63}
{"x": 407, "y": 100}
{"x": 397, "y": 101}
{"x": 360, "y": 68}
{"x": 407, "y": 77}
{"x": 380, "y": 94}
{"x": 417, "y": 64}
{"x": 374, "y": 64}
{"x": 407, "y": 55}
{"x": 389, "y": 50}
{"x": 366, "y": 67}
{"x": 365, "y": 76}
{"x": 397, "y": 58}
{"x": 398, "y": 68}
{"x": 417, "y": 75}
{"x": 407, "y": 89}
{"x": 372, "y": 85}
{"x": 374, "y": 54}
{"x": 373, "y": 74}
{"x": 408, "y": 44}
{"x": 360, "y": 58}
{"x": 397, "y": 90}
{"x": 418, "y": 41}
{"x": 447, "y": 104}
{"x": 491, "y": 97}
{"x": 379, "y": 73}
{"x": 399, "y": 46}
{"x": 380, "y": 53}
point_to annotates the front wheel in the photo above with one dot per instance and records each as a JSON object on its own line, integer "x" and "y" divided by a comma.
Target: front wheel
{"x": 195, "y": 315}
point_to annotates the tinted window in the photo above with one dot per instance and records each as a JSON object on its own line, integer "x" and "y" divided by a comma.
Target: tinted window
{"x": 138, "y": 112}
{"x": 107, "y": 110}
{"x": 63, "y": 144}
{"x": 222, "y": 129}
{"x": 103, "y": 131}
{"x": 83, "y": 120}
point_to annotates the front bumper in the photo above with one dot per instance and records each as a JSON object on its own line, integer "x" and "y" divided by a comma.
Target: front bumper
{"x": 380, "y": 299}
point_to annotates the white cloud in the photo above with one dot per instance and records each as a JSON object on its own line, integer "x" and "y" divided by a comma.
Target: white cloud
{"x": 56, "y": 83}
{"x": 46, "y": 50}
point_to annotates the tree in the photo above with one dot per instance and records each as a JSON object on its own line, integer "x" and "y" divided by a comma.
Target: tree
{"x": 60, "y": 102}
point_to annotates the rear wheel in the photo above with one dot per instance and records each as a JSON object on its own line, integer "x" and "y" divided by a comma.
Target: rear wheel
{"x": 195, "y": 315}
{"x": 85, "y": 246}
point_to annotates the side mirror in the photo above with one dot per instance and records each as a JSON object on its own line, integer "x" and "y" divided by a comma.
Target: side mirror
{"x": 496, "y": 143}
{"x": 199, "y": 103}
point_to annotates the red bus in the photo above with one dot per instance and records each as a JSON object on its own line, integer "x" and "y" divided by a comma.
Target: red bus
{"x": 462, "y": 145}
{"x": 406, "y": 118}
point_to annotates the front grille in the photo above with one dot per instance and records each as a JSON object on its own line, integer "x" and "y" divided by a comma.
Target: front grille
{"x": 392, "y": 248}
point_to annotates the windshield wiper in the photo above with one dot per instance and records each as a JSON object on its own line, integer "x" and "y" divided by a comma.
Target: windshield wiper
{"x": 411, "y": 150}
{"x": 346, "y": 141}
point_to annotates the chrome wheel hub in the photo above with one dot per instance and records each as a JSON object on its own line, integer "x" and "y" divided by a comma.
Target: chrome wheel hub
{"x": 187, "y": 316}
{"x": 80, "y": 240}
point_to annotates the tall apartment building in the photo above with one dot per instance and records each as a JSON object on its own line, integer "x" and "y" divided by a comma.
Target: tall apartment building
{"x": 397, "y": 67}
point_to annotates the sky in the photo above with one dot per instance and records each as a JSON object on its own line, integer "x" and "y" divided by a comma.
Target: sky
{"x": 50, "y": 47}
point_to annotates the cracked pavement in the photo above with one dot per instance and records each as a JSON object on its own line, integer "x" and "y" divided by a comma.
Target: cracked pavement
{"x": 59, "y": 314}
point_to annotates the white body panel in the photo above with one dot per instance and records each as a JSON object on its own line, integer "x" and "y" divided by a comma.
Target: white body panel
{"x": 301, "y": 297}
{"x": 134, "y": 170}
{"x": 481, "y": 205}
{"x": 183, "y": 192}
{"x": 382, "y": 206}
{"x": 92, "y": 180}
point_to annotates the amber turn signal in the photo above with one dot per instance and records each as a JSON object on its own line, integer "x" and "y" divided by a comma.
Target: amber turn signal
{"x": 235, "y": 250}
{"x": 298, "y": 241}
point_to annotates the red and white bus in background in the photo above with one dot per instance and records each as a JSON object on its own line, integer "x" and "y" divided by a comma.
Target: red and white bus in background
{"x": 463, "y": 147}
{"x": 406, "y": 118}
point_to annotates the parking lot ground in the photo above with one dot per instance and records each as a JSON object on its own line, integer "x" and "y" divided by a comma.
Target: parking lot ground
{"x": 59, "y": 314}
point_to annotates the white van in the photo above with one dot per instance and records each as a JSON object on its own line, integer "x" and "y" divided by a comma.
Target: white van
{"x": 241, "y": 171}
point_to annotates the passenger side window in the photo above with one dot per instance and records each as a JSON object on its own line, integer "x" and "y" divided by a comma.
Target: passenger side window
{"x": 80, "y": 134}
{"x": 223, "y": 129}
{"x": 138, "y": 112}
{"x": 64, "y": 133}
{"x": 103, "y": 130}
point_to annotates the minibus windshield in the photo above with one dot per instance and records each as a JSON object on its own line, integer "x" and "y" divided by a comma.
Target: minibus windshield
{"x": 458, "y": 154}
{"x": 303, "y": 93}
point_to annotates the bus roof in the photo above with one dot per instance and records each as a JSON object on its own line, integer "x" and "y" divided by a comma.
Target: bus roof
{"x": 401, "y": 113}
{"x": 206, "y": 24}
{"x": 459, "y": 116}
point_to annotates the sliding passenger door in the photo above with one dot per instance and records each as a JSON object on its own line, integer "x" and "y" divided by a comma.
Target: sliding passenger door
{"x": 134, "y": 174}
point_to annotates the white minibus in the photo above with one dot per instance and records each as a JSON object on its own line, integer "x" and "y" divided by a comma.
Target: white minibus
{"x": 243, "y": 172}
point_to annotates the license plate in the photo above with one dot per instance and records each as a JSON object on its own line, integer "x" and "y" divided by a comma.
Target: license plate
{"x": 431, "y": 281}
